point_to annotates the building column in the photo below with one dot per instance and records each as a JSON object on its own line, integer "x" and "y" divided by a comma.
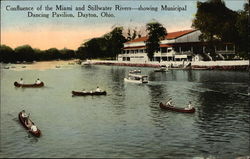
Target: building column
{"x": 226, "y": 47}
{"x": 203, "y": 49}
{"x": 180, "y": 49}
{"x": 192, "y": 49}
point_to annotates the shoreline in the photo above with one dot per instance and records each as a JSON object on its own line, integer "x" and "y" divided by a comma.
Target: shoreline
{"x": 39, "y": 65}
{"x": 238, "y": 65}
{"x": 241, "y": 65}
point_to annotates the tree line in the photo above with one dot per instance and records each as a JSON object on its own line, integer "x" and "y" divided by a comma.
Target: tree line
{"x": 217, "y": 23}
{"x": 28, "y": 54}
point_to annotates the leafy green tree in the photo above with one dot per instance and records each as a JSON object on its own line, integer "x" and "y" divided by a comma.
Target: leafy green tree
{"x": 25, "y": 53}
{"x": 80, "y": 52}
{"x": 216, "y": 23}
{"x": 67, "y": 54}
{"x": 115, "y": 41}
{"x": 132, "y": 35}
{"x": 156, "y": 32}
{"x": 129, "y": 36}
{"x": 135, "y": 34}
{"x": 108, "y": 45}
{"x": 94, "y": 48}
{"x": 241, "y": 24}
{"x": 52, "y": 54}
{"x": 7, "y": 54}
{"x": 39, "y": 55}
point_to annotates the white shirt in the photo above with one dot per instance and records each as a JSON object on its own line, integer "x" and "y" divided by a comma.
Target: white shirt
{"x": 169, "y": 102}
{"x": 98, "y": 90}
{"x": 189, "y": 106}
{"x": 33, "y": 128}
{"x": 21, "y": 82}
{"x": 38, "y": 82}
{"x": 24, "y": 115}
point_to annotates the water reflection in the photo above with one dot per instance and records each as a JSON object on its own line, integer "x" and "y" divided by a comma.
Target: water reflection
{"x": 117, "y": 86}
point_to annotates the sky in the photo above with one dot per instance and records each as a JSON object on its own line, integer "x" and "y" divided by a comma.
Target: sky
{"x": 17, "y": 28}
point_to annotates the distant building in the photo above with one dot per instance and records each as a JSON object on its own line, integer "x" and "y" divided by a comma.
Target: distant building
{"x": 177, "y": 46}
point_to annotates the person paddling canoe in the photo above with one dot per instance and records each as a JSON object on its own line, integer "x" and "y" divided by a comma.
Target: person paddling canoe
{"x": 169, "y": 102}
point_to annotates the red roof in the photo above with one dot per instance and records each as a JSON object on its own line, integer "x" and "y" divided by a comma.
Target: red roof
{"x": 144, "y": 47}
{"x": 165, "y": 45}
{"x": 169, "y": 36}
{"x": 135, "y": 47}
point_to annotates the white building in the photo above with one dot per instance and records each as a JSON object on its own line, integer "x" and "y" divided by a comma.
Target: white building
{"x": 177, "y": 46}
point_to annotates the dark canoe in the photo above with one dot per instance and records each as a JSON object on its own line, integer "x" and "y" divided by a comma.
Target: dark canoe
{"x": 77, "y": 93}
{"x": 28, "y": 85}
{"x": 182, "y": 110}
{"x": 34, "y": 133}
{"x": 160, "y": 70}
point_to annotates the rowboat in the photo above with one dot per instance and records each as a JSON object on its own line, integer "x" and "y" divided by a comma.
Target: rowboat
{"x": 176, "y": 109}
{"x": 28, "y": 85}
{"x": 135, "y": 71}
{"x": 34, "y": 133}
{"x": 163, "y": 68}
{"x": 160, "y": 70}
{"x": 84, "y": 93}
{"x": 134, "y": 78}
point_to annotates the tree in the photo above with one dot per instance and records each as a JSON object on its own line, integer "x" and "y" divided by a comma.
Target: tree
{"x": 24, "y": 53}
{"x": 156, "y": 32}
{"x": 39, "y": 55}
{"x": 80, "y": 52}
{"x": 108, "y": 45}
{"x": 67, "y": 54}
{"x": 115, "y": 41}
{"x": 6, "y": 54}
{"x": 216, "y": 23}
{"x": 241, "y": 24}
{"x": 131, "y": 36}
{"x": 52, "y": 54}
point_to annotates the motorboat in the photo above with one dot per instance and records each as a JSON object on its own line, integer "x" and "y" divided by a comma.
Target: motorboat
{"x": 135, "y": 78}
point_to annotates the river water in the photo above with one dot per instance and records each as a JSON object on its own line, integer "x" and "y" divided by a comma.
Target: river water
{"x": 128, "y": 121}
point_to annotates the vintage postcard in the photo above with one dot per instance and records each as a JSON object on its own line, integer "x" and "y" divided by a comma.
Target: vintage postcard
{"x": 125, "y": 79}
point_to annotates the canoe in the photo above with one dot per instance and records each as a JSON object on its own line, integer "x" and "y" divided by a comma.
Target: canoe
{"x": 176, "y": 109}
{"x": 34, "y": 133}
{"x": 77, "y": 93}
{"x": 28, "y": 85}
{"x": 160, "y": 70}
